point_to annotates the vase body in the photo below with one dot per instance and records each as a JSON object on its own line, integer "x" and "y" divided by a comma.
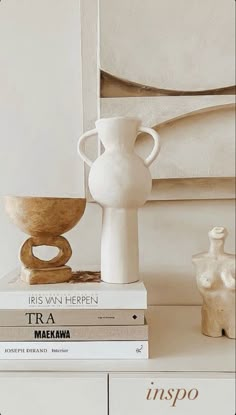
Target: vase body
{"x": 120, "y": 181}
{"x": 119, "y": 246}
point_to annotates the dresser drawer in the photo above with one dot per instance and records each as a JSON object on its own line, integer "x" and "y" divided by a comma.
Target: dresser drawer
{"x": 53, "y": 394}
{"x": 175, "y": 394}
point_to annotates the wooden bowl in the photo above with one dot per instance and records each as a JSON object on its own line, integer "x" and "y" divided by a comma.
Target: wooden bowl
{"x": 39, "y": 216}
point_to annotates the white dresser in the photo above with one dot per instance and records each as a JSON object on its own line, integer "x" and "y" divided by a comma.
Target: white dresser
{"x": 186, "y": 373}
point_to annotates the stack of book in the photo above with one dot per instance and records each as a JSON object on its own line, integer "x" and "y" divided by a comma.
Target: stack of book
{"x": 75, "y": 320}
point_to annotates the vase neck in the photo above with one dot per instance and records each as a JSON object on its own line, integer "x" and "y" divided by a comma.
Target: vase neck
{"x": 118, "y": 134}
{"x": 216, "y": 247}
{"x": 217, "y": 241}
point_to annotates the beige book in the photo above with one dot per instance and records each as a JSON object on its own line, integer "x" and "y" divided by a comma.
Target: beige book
{"x": 74, "y": 333}
{"x": 37, "y": 318}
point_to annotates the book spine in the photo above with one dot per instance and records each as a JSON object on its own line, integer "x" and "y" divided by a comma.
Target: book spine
{"x": 74, "y": 350}
{"x": 42, "y": 317}
{"x": 76, "y": 300}
{"x": 75, "y": 333}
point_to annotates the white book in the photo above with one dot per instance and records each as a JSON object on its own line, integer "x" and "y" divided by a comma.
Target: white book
{"x": 83, "y": 350}
{"x": 16, "y": 294}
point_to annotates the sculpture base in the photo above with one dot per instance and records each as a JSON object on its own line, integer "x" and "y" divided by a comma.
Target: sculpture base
{"x": 219, "y": 321}
{"x": 46, "y": 275}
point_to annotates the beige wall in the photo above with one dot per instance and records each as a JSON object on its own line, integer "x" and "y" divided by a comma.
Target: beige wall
{"x": 40, "y": 105}
{"x": 170, "y": 233}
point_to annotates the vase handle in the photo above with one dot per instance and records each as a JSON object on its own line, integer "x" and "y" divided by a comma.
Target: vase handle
{"x": 156, "y": 147}
{"x": 81, "y": 143}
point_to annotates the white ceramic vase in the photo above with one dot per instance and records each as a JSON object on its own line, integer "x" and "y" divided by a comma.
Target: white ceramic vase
{"x": 120, "y": 182}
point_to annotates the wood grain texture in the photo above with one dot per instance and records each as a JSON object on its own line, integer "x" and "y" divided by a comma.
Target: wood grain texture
{"x": 112, "y": 87}
{"x": 54, "y": 275}
{"x": 29, "y": 260}
{"x": 44, "y": 216}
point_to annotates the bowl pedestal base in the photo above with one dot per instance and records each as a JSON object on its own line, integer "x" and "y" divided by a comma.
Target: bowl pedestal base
{"x": 45, "y": 219}
{"x": 46, "y": 275}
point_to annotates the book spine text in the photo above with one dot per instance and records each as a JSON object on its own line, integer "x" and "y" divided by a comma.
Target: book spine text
{"x": 75, "y": 300}
{"x": 74, "y": 350}
{"x": 52, "y": 317}
{"x": 75, "y": 333}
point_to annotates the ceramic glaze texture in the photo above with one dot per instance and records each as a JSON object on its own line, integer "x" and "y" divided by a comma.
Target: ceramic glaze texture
{"x": 216, "y": 283}
{"x": 120, "y": 182}
{"x": 119, "y": 178}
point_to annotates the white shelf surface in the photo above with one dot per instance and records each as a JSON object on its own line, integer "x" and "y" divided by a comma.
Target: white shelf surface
{"x": 176, "y": 345}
